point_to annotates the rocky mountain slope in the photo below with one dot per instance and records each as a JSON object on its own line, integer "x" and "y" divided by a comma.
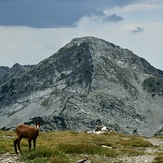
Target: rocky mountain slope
{"x": 7, "y": 73}
{"x": 86, "y": 83}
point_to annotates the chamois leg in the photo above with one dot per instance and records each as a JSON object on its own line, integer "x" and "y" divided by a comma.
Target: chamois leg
{"x": 29, "y": 142}
{"x": 15, "y": 144}
{"x": 19, "y": 139}
{"x": 34, "y": 143}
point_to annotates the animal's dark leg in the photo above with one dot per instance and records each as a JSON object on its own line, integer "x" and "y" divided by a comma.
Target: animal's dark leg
{"x": 34, "y": 143}
{"x": 19, "y": 144}
{"x": 15, "y": 143}
{"x": 29, "y": 142}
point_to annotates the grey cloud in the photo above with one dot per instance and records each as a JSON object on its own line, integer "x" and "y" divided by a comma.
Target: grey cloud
{"x": 113, "y": 18}
{"x": 137, "y": 30}
{"x": 40, "y": 14}
{"x": 54, "y": 13}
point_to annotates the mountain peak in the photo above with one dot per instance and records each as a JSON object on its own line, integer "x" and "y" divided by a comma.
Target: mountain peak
{"x": 86, "y": 83}
{"x": 88, "y": 39}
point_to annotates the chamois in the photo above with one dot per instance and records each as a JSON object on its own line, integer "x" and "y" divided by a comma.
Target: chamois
{"x": 25, "y": 131}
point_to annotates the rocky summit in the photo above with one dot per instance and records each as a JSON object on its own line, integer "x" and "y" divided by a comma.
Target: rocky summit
{"x": 86, "y": 83}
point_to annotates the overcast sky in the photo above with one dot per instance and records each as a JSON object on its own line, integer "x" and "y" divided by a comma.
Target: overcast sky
{"x": 32, "y": 30}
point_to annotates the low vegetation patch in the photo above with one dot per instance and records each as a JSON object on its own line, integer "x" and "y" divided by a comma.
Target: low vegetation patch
{"x": 134, "y": 141}
{"x": 158, "y": 158}
{"x": 86, "y": 148}
{"x": 70, "y": 146}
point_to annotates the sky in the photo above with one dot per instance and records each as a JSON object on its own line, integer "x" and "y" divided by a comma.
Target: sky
{"x": 32, "y": 30}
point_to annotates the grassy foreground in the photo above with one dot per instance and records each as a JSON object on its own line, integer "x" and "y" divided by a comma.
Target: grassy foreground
{"x": 70, "y": 146}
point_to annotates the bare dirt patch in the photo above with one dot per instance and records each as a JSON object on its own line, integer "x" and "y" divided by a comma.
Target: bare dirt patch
{"x": 9, "y": 158}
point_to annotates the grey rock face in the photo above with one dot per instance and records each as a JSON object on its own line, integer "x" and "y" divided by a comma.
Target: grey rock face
{"x": 86, "y": 83}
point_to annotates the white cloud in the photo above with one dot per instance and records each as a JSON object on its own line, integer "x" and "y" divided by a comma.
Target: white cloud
{"x": 139, "y": 6}
{"x": 31, "y": 45}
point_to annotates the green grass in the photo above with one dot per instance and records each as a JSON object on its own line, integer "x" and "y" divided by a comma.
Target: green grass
{"x": 70, "y": 146}
{"x": 158, "y": 159}
{"x": 6, "y": 143}
{"x": 134, "y": 141}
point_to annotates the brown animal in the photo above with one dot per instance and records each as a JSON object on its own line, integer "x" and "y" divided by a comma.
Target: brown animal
{"x": 25, "y": 131}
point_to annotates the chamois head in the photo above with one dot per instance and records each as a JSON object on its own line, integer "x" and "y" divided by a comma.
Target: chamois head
{"x": 37, "y": 126}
